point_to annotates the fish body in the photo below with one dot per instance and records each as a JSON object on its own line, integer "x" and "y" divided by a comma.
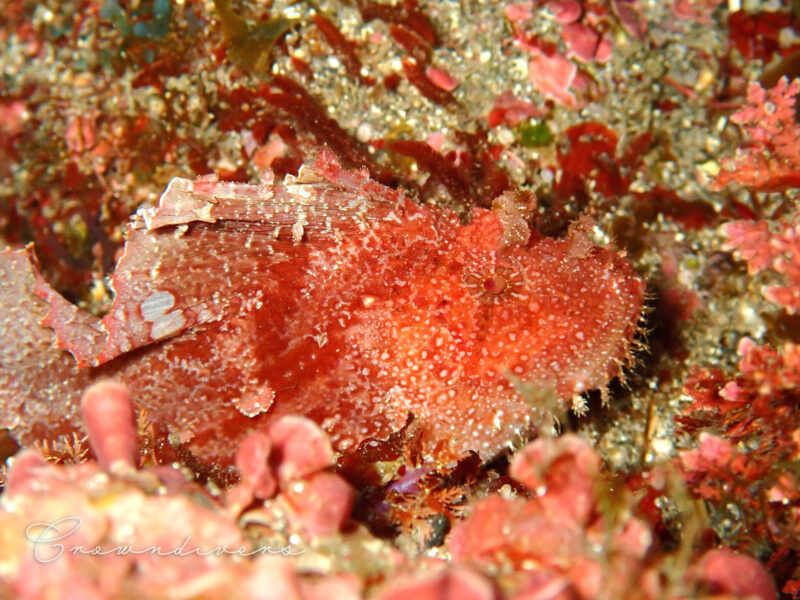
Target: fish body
{"x": 333, "y": 297}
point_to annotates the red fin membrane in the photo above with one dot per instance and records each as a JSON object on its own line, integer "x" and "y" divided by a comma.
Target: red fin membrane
{"x": 39, "y": 384}
{"x": 205, "y": 252}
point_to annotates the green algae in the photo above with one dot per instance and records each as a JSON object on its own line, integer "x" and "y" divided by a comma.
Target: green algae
{"x": 249, "y": 45}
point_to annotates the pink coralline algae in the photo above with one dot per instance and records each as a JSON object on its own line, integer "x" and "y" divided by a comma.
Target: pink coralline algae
{"x": 511, "y": 110}
{"x": 585, "y": 44}
{"x": 102, "y": 532}
{"x": 565, "y": 11}
{"x": 698, "y": 11}
{"x": 289, "y": 459}
{"x": 328, "y": 296}
{"x": 458, "y": 583}
{"x": 749, "y": 441}
{"x": 586, "y": 39}
{"x": 725, "y": 572}
{"x": 568, "y": 542}
{"x": 767, "y": 248}
{"x": 151, "y": 532}
{"x": 771, "y": 162}
{"x": 107, "y": 410}
{"x": 553, "y": 76}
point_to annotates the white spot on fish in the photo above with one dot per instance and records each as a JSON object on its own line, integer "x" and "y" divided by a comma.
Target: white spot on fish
{"x": 155, "y": 305}
{"x": 167, "y": 325}
{"x": 297, "y": 232}
{"x": 154, "y": 310}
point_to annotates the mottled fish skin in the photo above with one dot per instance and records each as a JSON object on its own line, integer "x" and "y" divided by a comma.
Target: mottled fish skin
{"x": 337, "y": 298}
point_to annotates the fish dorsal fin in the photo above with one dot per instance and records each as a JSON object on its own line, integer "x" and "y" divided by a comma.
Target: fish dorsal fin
{"x": 208, "y": 250}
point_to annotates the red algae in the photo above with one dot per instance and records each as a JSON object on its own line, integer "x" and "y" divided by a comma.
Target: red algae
{"x": 334, "y": 297}
{"x": 288, "y": 95}
{"x": 345, "y": 48}
{"x": 406, "y": 14}
{"x": 427, "y": 87}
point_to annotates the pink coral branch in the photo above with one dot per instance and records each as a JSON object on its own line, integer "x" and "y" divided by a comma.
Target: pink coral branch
{"x": 772, "y": 161}
{"x": 762, "y": 249}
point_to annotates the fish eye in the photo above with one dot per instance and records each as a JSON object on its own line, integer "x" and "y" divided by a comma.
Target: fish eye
{"x": 495, "y": 284}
